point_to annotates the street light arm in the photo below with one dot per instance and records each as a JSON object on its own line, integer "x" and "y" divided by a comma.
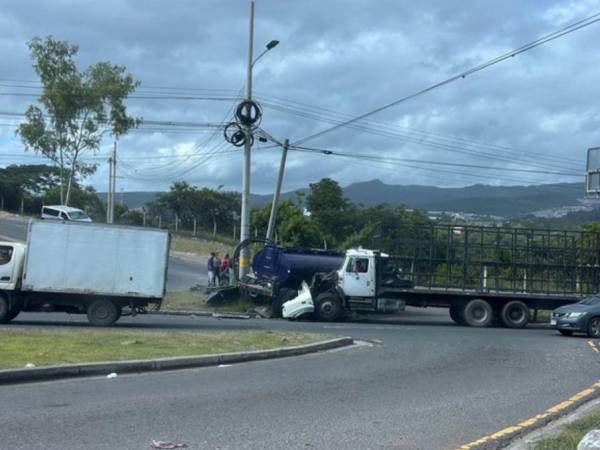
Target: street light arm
{"x": 271, "y": 45}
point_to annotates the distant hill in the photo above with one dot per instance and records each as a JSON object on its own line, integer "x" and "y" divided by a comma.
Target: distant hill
{"x": 508, "y": 201}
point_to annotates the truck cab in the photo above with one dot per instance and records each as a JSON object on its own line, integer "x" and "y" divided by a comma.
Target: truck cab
{"x": 368, "y": 282}
{"x": 12, "y": 255}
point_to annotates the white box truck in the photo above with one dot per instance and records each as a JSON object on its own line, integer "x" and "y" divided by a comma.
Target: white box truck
{"x": 84, "y": 268}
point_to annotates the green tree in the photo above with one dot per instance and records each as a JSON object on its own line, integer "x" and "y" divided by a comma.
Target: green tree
{"x": 328, "y": 208}
{"x": 75, "y": 108}
{"x": 292, "y": 227}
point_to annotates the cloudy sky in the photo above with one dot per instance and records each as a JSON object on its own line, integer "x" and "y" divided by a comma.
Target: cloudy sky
{"x": 531, "y": 118}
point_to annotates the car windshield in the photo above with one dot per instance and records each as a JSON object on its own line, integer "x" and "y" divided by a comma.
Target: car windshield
{"x": 594, "y": 300}
{"x": 78, "y": 215}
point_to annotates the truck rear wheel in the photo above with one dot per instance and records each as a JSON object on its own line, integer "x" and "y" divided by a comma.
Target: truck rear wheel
{"x": 103, "y": 312}
{"x": 478, "y": 313}
{"x": 456, "y": 314}
{"x": 283, "y": 296}
{"x": 515, "y": 314}
{"x": 328, "y": 307}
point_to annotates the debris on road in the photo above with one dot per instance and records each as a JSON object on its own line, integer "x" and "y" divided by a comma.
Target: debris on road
{"x": 223, "y": 365}
{"x": 111, "y": 375}
{"x": 264, "y": 312}
{"x": 166, "y": 445}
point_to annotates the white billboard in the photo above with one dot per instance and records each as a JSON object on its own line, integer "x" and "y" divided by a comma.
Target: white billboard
{"x": 593, "y": 172}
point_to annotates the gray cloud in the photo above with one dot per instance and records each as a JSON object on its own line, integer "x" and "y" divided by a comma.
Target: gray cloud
{"x": 345, "y": 56}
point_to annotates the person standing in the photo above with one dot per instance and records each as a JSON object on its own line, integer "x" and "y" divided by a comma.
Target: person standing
{"x": 225, "y": 272}
{"x": 210, "y": 266}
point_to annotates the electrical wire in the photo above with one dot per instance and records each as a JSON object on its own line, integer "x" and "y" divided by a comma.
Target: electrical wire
{"x": 590, "y": 20}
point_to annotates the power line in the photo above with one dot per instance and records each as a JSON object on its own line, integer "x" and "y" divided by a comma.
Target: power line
{"x": 524, "y": 48}
{"x": 420, "y": 161}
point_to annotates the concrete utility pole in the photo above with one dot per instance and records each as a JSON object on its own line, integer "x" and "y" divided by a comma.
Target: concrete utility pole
{"x": 108, "y": 194}
{"x": 112, "y": 184}
{"x": 245, "y": 225}
{"x": 273, "y": 216}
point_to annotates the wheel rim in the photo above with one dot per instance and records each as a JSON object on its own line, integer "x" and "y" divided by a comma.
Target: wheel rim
{"x": 102, "y": 313}
{"x": 327, "y": 308}
{"x": 479, "y": 314}
{"x": 516, "y": 314}
{"x": 595, "y": 327}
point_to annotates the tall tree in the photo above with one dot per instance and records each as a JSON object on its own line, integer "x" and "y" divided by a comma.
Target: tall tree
{"x": 75, "y": 109}
{"x": 328, "y": 208}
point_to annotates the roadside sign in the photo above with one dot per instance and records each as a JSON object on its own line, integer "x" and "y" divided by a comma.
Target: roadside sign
{"x": 593, "y": 172}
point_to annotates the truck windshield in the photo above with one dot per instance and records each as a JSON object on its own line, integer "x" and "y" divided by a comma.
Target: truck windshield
{"x": 5, "y": 254}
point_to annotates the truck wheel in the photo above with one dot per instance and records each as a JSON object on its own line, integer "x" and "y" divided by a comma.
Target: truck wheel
{"x": 593, "y": 329}
{"x": 515, "y": 314}
{"x": 478, "y": 313}
{"x": 283, "y": 296}
{"x": 4, "y": 310}
{"x": 328, "y": 307}
{"x": 456, "y": 314}
{"x": 102, "y": 313}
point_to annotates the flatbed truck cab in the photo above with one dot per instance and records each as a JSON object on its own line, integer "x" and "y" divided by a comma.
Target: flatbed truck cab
{"x": 367, "y": 282}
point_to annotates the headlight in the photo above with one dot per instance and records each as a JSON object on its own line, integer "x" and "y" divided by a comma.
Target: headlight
{"x": 574, "y": 315}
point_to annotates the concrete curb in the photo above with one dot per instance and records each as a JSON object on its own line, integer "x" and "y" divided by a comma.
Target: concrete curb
{"x": 13, "y": 376}
{"x": 507, "y": 436}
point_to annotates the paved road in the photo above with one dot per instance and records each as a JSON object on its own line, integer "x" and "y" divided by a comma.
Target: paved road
{"x": 183, "y": 272}
{"x": 429, "y": 385}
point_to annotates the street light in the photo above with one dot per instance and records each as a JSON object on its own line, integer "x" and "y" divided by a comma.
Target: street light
{"x": 245, "y": 219}
{"x": 270, "y": 46}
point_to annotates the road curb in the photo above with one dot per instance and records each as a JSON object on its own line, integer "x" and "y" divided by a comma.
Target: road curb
{"x": 508, "y": 435}
{"x": 14, "y": 376}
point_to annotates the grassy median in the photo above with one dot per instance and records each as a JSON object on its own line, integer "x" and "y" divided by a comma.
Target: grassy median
{"x": 199, "y": 246}
{"x": 569, "y": 438}
{"x": 43, "y": 348}
{"x": 194, "y": 301}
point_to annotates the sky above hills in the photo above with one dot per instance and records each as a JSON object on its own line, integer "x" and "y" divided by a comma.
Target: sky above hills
{"x": 533, "y": 116}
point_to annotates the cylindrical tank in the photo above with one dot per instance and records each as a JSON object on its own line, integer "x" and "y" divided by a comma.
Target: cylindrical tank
{"x": 291, "y": 266}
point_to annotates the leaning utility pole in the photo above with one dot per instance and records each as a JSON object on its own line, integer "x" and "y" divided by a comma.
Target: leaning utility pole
{"x": 245, "y": 225}
{"x": 112, "y": 184}
{"x": 273, "y": 216}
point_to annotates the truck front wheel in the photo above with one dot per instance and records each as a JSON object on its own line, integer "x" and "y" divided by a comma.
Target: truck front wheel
{"x": 328, "y": 307}
{"x": 4, "y": 310}
{"x": 103, "y": 312}
{"x": 478, "y": 313}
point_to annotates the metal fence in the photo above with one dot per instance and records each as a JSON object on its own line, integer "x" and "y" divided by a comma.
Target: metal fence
{"x": 495, "y": 259}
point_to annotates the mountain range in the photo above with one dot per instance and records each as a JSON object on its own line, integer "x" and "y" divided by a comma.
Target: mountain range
{"x": 507, "y": 201}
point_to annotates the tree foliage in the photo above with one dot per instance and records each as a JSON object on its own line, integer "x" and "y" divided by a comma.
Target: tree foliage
{"x": 75, "y": 109}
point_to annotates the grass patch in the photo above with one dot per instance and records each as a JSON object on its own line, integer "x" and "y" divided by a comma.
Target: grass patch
{"x": 42, "y": 348}
{"x": 194, "y": 301}
{"x": 571, "y": 435}
{"x": 199, "y": 246}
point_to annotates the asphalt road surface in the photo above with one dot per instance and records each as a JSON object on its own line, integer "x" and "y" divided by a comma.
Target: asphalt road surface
{"x": 422, "y": 383}
{"x": 183, "y": 272}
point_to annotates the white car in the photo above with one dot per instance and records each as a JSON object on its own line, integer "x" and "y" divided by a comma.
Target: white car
{"x": 60, "y": 212}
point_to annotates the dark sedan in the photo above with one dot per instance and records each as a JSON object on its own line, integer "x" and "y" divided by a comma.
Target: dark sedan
{"x": 581, "y": 317}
